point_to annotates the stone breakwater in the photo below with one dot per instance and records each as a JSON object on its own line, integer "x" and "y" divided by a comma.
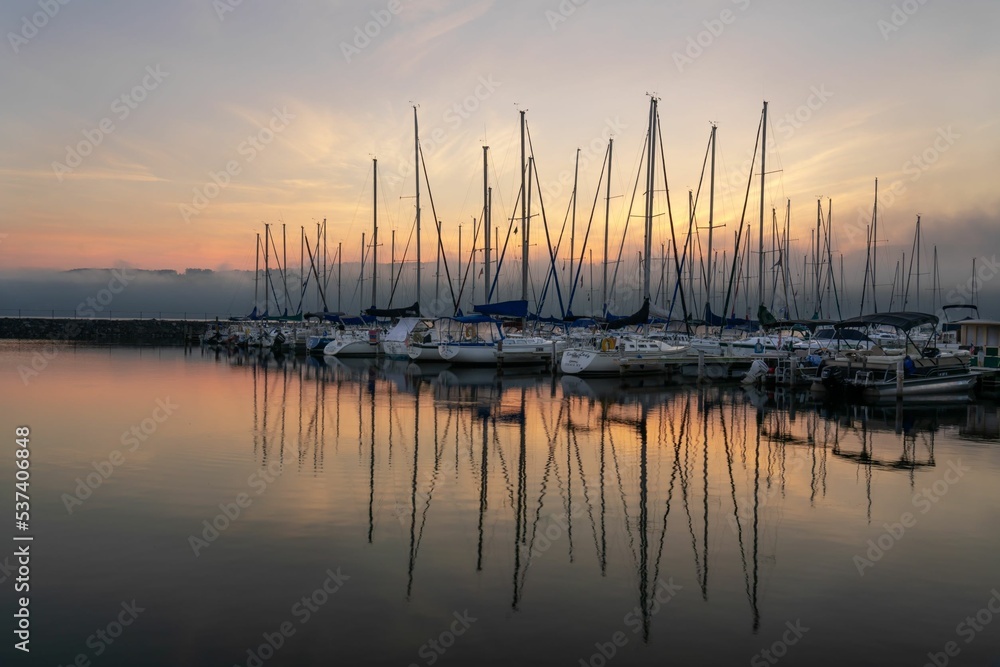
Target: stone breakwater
{"x": 122, "y": 332}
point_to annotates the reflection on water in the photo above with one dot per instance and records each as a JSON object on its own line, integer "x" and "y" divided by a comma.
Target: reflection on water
{"x": 696, "y": 520}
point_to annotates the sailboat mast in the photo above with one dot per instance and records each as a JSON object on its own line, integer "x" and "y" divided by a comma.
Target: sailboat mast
{"x": 256, "y": 273}
{"x": 486, "y": 224}
{"x": 711, "y": 218}
{"x": 760, "y": 240}
{"x": 607, "y": 219}
{"x": 267, "y": 271}
{"x": 786, "y": 260}
{"x": 816, "y": 260}
{"x": 302, "y": 264}
{"x": 284, "y": 264}
{"x": 416, "y": 173}
{"x": 524, "y": 219}
{"x": 374, "y": 230}
{"x": 874, "y": 247}
{"x": 650, "y": 184}
{"x": 918, "y": 262}
{"x": 572, "y": 228}
{"x": 340, "y": 271}
{"x": 524, "y": 287}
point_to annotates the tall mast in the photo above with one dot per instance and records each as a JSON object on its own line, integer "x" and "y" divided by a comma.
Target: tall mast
{"x": 374, "y": 230}
{"x": 524, "y": 219}
{"x": 607, "y": 218}
{"x": 935, "y": 283}
{"x": 416, "y": 172}
{"x": 318, "y": 265}
{"x": 650, "y": 185}
{"x": 256, "y": 273}
{"x": 486, "y": 223}
{"x": 302, "y": 265}
{"x": 267, "y": 271}
{"x": 763, "y": 170}
{"x": 340, "y": 271}
{"x": 284, "y": 264}
{"x": 816, "y": 261}
{"x": 524, "y": 287}
{"x": 711, "y": 217}
{"x": 874, "y": 247}
{"x": 787, "y": 257}
{"x": 918, "y": 262}
{"x": 572, "y": 229}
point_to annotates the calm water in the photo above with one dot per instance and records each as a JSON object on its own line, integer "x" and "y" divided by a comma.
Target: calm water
{"x": 390, "y": 515}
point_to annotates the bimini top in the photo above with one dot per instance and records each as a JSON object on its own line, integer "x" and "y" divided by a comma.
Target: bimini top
{"x": 811, "y": 325}
{"x": 901, "y": 320}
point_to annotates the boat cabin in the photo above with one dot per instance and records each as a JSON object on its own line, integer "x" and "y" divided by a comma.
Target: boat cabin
{"x": 982, "y": 337}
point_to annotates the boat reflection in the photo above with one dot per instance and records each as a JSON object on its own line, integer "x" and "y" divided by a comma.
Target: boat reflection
{"x": 636, "y": 480}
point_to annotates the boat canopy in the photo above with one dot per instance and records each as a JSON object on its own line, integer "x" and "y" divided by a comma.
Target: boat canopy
{"x": 517, "y": 308}
{"x": 810, "y": 325}
{"x": 640, "y": 316}
{"x": 356, "y": 321}
{"x": 408, "y": 311}
{"x": 325, "y": 315}
{"x": 471, "y": 319}
{"x": 900, "y": 320}
{"x": 714, "y": 320}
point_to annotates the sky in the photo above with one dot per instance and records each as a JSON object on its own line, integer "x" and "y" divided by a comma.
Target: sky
{"x": 163, "y": 135}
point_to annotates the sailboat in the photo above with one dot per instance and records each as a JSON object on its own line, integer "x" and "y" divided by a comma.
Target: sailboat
{"x": 353, "y": 337}
{"x": 620, "y": 353}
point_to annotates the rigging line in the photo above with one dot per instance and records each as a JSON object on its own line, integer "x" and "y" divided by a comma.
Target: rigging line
{"x": 673, "y": 237}
{"x": 545, "y": 225}
{"x": 503, "y": 253}
{"x": 437, "y": 224}
{"x": 739, "y": 235}
{"x": 472, "y": 259}
{"x": 402, "y": 262}
{"x": 586, "y": 236}
{"x": 628, "y": 217}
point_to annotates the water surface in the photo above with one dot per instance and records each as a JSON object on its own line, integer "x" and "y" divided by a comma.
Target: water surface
{"x": 438, "y": 516}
